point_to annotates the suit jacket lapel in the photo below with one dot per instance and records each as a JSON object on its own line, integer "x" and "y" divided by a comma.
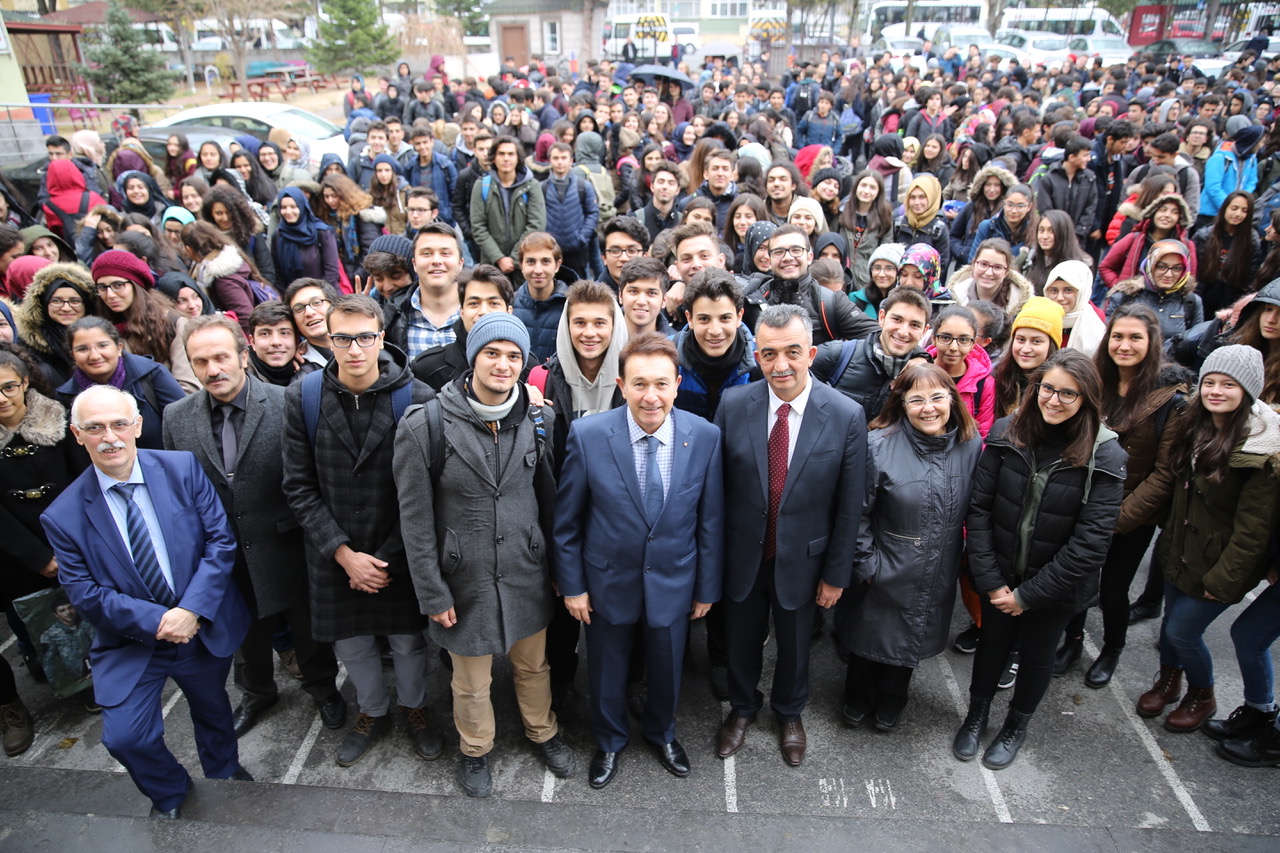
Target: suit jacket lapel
{"x": 624, "y": 457}
{"x": 202, "y": 423}
{"x": 257, "y": 402}
{"x": 331, "y": 411}
{"x": 811, "y": 426}
{"x": 758, "y": 427}
{"x": 166, "y": 505}
{"x": 104, "y": 524}
{"x": 381, "y": 422}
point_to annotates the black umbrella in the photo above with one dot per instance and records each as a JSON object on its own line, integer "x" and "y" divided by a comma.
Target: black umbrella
{"x": 648, "y": 73}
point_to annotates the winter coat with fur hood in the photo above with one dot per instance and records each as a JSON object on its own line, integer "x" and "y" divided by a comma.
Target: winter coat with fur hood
{"x": 1127, "y": 253}
{"x": 43, "y": 335}
{"x": 225, "y": 277}
{"x": 961, "y": 285}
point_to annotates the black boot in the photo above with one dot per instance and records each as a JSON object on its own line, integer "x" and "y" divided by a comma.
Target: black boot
{"x": 1004, "y": 749}
{"x": 969, "y": 737}
{"x": 1067, "y": 655}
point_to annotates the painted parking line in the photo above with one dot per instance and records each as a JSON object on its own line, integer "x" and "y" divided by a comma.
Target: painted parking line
{"x": 304, "y": 750}
{"x": 1153, "y": 749}
{"x": 548, "y": 786}
{"x": 4, "y": 647}
{"x": 730, "y": 771}
{"x": 989, "y": 778}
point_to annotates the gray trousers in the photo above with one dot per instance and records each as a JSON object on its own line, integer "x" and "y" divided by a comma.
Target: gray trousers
{"x": 363, "y": 659}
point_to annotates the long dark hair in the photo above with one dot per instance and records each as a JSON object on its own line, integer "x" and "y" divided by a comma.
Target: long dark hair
{"x": 894, "y": 412}
{"x": 1122, "y": 413}
{"x": 244, "y": 222}
{"x": 1204, "y": 447}
{"x": 1249, "y": 333}
{"x": 750, "y": 200}
{"x": 1236, "y": 266}
{"x": 1028, "y": 429}
{"x": 879, "y": 217}
{"x": 259, "y": 186}
{"x": 1065, "y": 248}
{"x": 983, "y": 209}
{"x": 1270, "y": 270}
{"x": 1025, "y": 232}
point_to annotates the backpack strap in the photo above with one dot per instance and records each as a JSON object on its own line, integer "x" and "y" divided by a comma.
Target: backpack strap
{"x": 824, "y": 296}
{"x": 977, "y": 395}
{"x": 1177, "y": 401}
{"x": 847, "y": 349}
{"x": 311, "y": 387}
{"x": 148, "y": 387}
{"x": 485, "y": 183}
{"x": 401, "y": 399}
{"x": 435, "y": 434}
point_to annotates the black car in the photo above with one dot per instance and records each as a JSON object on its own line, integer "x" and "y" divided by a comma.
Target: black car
{"x": 1169, "y": 50}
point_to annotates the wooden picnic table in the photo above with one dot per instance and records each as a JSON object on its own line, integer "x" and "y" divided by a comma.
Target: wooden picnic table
{"x": 259, "y": 88}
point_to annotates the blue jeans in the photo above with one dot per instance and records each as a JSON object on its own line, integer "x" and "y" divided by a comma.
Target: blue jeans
{"x": 1182, "y": 634}
{"x": 1253, "y": 632}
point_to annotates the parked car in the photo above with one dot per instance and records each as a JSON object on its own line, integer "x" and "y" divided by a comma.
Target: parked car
{"x": 1112, "y": 49}
{"x": 1044, "y": 48}
{"x": 258, "y": 118}
{"x": 1231, "y": 53}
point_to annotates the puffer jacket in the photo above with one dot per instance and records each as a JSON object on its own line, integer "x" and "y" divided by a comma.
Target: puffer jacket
{"x": 995, "y": 226}
{"x": 45, "y": 337}
{"x": 498, "y": 225}
{"x": 225, "y": 277}
{"x": 864, "y": 380}
{"x": 573, "y": 212}
{"x": 909, "y": 545}
{"x": 541, "y": 318}
{"x": 1178, "y": 312}
{"x": 1149, "y": 444}
{"x": 1043, "y": 533}
{"x": 1020, "y": 290}
{"x": 441, "y": 176}
{"x": 937, "y": 234}
{"x": 691, "y": 396}
{"x": 1216, "y": 536}
{"x": 1127, "y": 254}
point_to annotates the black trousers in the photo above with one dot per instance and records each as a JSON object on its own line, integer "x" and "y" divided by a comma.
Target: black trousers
{"x": 8, "y": 685}
{"x": 871, "y": 686}
{"x": 1118, "y": 571}
{"x": 1037, "y": 632}
{"x": 255, "y": 659}
{"x": 562, "y": 646}
{"x": 746, "y": 626}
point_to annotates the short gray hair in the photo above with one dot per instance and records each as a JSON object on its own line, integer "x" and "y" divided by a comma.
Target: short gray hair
{"x": 94, "y": 391}
{"x": 781, "y": 316}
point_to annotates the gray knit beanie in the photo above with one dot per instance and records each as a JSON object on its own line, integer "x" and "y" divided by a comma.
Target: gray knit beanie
{"x": 501, "y": 326}
{"x": 1242, "y": 363}
{"x": 396, "y": 245}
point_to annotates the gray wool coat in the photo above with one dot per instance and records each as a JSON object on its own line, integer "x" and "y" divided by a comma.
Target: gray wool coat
{"x": 343, "y": 492}
{"x": 270, "y": 568}
{"x": 909, "y": 545}
{"x": 486, "y": 554}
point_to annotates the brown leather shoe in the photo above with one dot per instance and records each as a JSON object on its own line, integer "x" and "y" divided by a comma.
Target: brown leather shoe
{"x": 1166, "y": 690}
{"x": 733, "y": 733}
{"x": 793, "y": 742}
{"x": 1197, "y": 706}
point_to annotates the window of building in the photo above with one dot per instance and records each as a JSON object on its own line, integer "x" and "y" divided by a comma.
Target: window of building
{"x": 550, "y": 36}
{"x": 730, "y": 9}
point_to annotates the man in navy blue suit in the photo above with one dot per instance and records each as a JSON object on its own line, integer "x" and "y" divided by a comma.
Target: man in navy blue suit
{"x": 638, "y": 546}
{"x": 145, "y": 554}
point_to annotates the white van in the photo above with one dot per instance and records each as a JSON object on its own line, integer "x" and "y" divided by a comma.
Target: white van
{"x": 651, "y": 34}
{"x": 1086, "y": 21}
{"x": 159, "y": 37}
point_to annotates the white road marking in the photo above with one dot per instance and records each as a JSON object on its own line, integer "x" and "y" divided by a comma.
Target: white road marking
{"x": 548, "y": 786}
{"x": 730, "y": 773}
{"x": 4, "y": 647}
{"x": 1153, "y": 749}
{"x": 993, "y": 787}
{"x": 168, "y": 706}
{"x": 304, "y": 750}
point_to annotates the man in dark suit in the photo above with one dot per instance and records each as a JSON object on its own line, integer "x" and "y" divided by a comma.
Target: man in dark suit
{"x": 638, "y": 541}
{"x": 145, "y": 553}
{"x": 795, "y": 453}
{"x": 236, "y": 426}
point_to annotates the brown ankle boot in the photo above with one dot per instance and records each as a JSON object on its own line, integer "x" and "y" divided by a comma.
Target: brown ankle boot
{"x": 1197, "y": 706}
{"x": 1164, "y": 692}
{"x": 15, "y": 723}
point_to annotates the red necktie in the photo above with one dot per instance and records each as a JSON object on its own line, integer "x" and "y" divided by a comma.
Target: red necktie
{"x": 779, "y": 438}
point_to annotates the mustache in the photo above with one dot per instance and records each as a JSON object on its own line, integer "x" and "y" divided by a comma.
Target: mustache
{"x": 217, "y": 377}
{"x": 104, "y": 446}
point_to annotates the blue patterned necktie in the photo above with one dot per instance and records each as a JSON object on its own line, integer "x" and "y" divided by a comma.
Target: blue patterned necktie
{"x": 653, "y": 483}
{"x": 144, "y": 551}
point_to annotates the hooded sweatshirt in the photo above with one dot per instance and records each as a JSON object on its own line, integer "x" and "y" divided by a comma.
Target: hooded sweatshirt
{"x": 68, "y": 197}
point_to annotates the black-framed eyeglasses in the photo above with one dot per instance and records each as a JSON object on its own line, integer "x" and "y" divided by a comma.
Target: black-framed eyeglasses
{"x": 782, "y": 251}
{"x": 364, "y": 339}
{"x": 946, "y": 340}
{"x": 12, "y": 389}
{"x": 117, "y": 286}
{"x": 58, "y": 302}
{"x": 300, "y": 308}
{"x": 1065, "y": 395}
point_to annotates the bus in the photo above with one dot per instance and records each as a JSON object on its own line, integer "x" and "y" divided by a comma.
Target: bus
{"x": 926, "y": 15}
{"x": 1083, "y": 21}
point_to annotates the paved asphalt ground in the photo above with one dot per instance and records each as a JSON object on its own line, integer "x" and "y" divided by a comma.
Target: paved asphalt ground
{"x": 1093, "y": 775}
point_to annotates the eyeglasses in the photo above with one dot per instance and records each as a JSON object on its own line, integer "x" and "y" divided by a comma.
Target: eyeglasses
{"x": 364, "y": 339}
{"x": 1013, "y": 205}
{"x": 947, "y": 340}
{"x": 58, "y": 302}
{"x": 11, "y": 389}
{"x": 935, "y": 401}
{"x": 783, "y": 251}
{"x": 1065, "y": 396}
{"x": 619, "y": 251}
{"x": 116, "y": 427}
{"x": 85, "y": 349}
{"x": 999, "y": 269}
{"x": 117, "y": 286}
{"x": 300, "y": 308}
{"x": 1165, "y": 269}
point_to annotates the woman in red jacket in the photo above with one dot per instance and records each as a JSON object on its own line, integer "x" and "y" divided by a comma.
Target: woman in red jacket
{"x": 1166, "y": 218}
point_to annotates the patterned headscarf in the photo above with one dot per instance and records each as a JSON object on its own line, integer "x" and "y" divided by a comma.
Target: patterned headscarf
{"x": 1158, "y": 250}
{"x": 925, "y": 258}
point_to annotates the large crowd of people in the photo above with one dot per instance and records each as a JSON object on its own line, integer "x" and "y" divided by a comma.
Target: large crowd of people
{"x": 549, "y": 356}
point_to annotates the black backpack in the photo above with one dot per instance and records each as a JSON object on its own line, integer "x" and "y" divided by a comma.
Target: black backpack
{"x": 806, "y": 97}
{"x": 71, "y": 221}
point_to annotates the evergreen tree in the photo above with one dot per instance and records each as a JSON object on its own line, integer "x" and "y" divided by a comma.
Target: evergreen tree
{"x": 354, "y": 38}
{"x": 120, "y": 67}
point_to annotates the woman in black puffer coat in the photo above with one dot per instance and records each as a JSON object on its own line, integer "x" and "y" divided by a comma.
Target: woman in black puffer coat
{"x": 1045, "y": 501}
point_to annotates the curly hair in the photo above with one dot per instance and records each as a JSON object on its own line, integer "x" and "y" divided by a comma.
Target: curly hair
{"x": 244, "y": 222}
{"x": 351, "y": 199}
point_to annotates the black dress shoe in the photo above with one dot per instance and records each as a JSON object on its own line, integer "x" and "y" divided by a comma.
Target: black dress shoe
{"x": 333, "y": 710}
{"x": 1099, "y": 675}
{"x": 246, "y": 717}
{"x": 241, "y": 775}
{"x": 174, "y": 813}
{"x": 672, "y": 756}
{"x": 604, "y": 766}
{"x": 1067, "y": 655}
{"x": 1141, "y": 610}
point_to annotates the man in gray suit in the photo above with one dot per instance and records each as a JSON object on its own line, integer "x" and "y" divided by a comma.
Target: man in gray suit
{"x": 795, "y": 454}
{"x": 236, "y": 426}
